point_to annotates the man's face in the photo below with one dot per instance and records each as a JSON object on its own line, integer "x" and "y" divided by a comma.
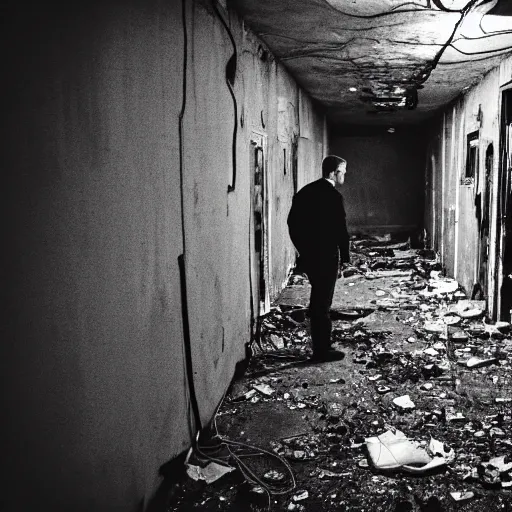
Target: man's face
{"x": 339, "y": 174}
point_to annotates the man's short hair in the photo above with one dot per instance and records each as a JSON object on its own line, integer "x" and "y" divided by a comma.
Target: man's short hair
{"x": 330, "y": 164}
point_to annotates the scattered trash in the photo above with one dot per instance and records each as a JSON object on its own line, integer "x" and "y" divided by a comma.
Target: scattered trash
{"x": 209, "y": 473}
{"x": 411, "y": 330}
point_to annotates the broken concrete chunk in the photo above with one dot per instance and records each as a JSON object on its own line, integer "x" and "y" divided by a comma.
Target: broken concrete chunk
{"x": 404, "y": 402}
{"x": 431, "y": 352}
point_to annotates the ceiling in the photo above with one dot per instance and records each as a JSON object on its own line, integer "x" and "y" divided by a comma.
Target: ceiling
{"x": 383, "y": 62}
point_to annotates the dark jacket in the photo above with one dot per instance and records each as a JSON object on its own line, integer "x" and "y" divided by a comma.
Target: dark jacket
{"x": 317, "y": 223}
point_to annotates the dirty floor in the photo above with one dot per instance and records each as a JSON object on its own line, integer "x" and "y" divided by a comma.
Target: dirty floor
{"x": 421, "y": 364}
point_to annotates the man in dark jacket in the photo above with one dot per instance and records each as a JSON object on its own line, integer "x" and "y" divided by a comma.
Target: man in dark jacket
{"x": 318, "y": 230}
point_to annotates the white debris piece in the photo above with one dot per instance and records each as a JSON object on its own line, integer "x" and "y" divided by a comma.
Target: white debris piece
{"x": 301, "y": 496}
{"x": 209, "y": 473}
{"x": 404, "y": 402}
{"x": 264, "y": 389}
{"x": 476, "y": 362}
{"x": 461, "y": 496}
{"x": 393, "y": 450}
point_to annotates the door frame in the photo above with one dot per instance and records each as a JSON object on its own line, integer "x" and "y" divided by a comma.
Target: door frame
{"x": 500, "y": 190}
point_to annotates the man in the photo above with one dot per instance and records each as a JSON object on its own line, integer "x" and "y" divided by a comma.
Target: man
{"x": 318, "y": 230}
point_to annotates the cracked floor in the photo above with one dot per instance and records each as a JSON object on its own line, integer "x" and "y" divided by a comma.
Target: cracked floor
{"x": 420, "y": 359}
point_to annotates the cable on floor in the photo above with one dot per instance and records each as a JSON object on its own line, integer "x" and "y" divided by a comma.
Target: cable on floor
{"x": 239, "y": 454}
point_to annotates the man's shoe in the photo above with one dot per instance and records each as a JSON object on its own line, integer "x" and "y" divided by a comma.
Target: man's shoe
{"x": 325, "y": 357}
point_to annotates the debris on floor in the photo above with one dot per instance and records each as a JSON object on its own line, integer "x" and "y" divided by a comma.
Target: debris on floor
{"x": 415, "y": 417}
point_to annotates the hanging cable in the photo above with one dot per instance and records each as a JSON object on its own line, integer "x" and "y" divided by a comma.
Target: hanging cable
{"x": 450, "y": 63}
{"x": 236, "y": 451}
{"x": 230, "y": 81}
{"x": 496, "y": 50}
{"x": 424, "y": 75}
{"x": 393, "y": 11}
{"x": 181, "y": 257}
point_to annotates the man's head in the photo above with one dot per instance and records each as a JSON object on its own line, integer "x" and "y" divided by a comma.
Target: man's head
{"x": 334, "y": 168}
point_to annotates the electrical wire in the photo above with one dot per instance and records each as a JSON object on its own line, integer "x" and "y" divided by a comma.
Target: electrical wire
{"x": 496, "y": 50}
{"x": 486, "y": 36}
{"x": 450, "y": 63}
{"x": 393, "y": 11}
{"x": 427, "y": 70}
{"x": 230, "y": 81}
{"x": 181, "y": 257}
{"x": 235, "y": 456}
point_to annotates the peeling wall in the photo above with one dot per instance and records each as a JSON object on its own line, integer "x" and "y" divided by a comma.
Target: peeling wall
{"x": 451, "y": 219}
{"x": 93, "y": 339}
{"x": 383, "y": 187}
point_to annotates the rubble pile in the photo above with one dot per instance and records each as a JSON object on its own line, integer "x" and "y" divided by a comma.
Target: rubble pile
{"x": 416, "y": 417}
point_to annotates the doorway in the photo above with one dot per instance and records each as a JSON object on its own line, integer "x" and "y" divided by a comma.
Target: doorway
{"x": 260, "y": 222}
{"x": 483, "y": 213}
{"x": 503, "y": 270}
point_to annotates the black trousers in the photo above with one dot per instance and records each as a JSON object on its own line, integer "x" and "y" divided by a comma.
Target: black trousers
{"x": 322, "y": 274}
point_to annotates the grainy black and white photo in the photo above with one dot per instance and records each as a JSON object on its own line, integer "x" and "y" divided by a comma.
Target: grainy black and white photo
{"x": 258, "y": 256}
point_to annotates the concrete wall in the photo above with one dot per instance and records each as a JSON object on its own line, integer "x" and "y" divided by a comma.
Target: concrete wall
{"x": 451, "y": 218}
{"x": 383, "y": 187}
{"x": 93, "y": 356}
